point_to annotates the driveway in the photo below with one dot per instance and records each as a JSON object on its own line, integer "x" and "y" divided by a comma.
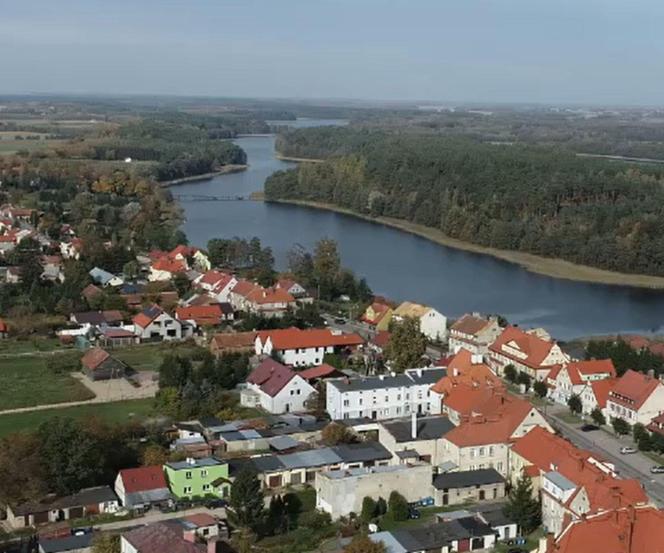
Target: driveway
{"x": 157, "y": 516}
{"x": 607, "y": 446}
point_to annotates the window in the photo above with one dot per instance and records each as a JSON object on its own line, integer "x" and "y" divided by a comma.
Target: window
{"x": 204, "y": 473}
{"x": 187, "y": 490}
{"x": 187, "y": 475}
{"x": 346, "y": 403}
{"x": 206, "y": 487}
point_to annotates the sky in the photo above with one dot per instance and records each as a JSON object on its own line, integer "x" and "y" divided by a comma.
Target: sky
{"x": 544, "y": 51}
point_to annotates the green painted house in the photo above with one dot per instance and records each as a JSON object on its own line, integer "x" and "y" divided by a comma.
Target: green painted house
{"x": 198, "y": 478}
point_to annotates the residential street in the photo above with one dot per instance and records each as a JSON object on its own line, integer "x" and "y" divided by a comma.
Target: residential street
{"x": 635, "y": 465}
{"x": 156, "y": 516}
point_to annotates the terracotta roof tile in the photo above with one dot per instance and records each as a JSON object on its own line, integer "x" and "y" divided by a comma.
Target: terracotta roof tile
{"x": 234, "y": 340}
{"x": 469, "y": 324}
{"x": 633, "y": 389}
{"x": 94, "y": 357}
{"x": 200, "y": 314}
{"x": 534, "y": 348}
{"x": 143, "y": 479}
{"x": 271, "y": 376}
{"x": 292, "y": 338}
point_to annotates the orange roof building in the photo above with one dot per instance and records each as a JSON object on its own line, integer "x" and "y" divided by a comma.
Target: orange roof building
{"x": 201, "y": 315}
{"x": 233, "y": 342}
{"x": 531, "y": 352}
{"x": 473, "y": 333}
{"x": 572, "y": 379}
{"x": 378, "y": 315}
{"x": 636, "y": 398}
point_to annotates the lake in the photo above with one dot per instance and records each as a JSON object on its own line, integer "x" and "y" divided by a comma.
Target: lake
{"x": 403, "y": 266}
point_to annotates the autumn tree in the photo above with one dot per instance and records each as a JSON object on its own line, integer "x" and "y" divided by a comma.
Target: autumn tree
{"x": 363, "y": 544}
{"x": 407, "y": 344}
{"x": 336, "y": 433}
{"x": 106, "y": 543}
{"x": 22, "y": 477}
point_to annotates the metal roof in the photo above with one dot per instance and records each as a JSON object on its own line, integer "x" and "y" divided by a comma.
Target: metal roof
{"x": 560, "y": 481}
{"x": 467, "y": 478}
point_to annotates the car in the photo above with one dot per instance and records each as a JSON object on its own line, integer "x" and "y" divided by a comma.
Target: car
{"x": 339, "y": 320}
{"x": 627, "y": 450}
{"x": 589, "y": 427}
{"x": 216, "y": 503}
{"x": 413, "y": 514}
{"x": 657, "y": 469}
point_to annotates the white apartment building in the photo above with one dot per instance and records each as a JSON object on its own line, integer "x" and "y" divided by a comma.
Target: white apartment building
{"x": 385, "y": 396}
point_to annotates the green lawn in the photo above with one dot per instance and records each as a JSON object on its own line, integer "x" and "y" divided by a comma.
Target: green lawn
{"x": 427, "y": 515}
{"x": 148, "y": 357}
{"x": 26, "y": 381}
{"x": 14, "y": 346}
{"x": 112, "y": 413}
{"x": 569, "y": 418}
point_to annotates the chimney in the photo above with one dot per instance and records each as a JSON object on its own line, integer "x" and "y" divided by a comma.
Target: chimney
{"x": 189, "y": 535}
{"x": 191, "y": 461}
{"x": 413, "y": 425}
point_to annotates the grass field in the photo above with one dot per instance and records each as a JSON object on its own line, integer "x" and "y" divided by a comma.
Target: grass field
{"x": 26, "y": 381}
{"x": 8, "y": 147}
{"x": 148, "y": 357}
{"x": 12, "y": 346}
{"x": 112, "y": 413}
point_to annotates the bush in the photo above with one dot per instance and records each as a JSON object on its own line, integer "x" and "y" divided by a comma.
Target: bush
{"x": 314, "y": 519}
{"x": 540, "y": 388}
{"x": 598, "y": 417}
{"x": 524, "y": 379}
{"x": 574, "y": 404}
{"x": 369, "y": 510}
{"x": 397, "y": 506}
{"x": 620, "y": 426}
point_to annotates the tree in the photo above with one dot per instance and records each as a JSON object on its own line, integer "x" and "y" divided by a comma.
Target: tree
{"x": 154, "y": 455}
{"x": 246, "y": 500}
{"x": 642, "y": 437}
{"x": 363, "y": 544}
{"x": 22, "y": 477}
{"x": 540, "y": 388}
{"x": 397, "y": 506}
{"x": 369, "y": 510}
{"x": 598, "y": 417}
{"x": 182, "y": 284}
{"x": 524, "y": 378}
{"x": 326, "y": 260}
{"x": 620, "y": 426}
{"x": 509, "y": 372}
{"x": 522, "y": 507}
{"x": 106, "y": 543}
{"x": 335, "y": 434}
{"x": 130, "y": 269}
{"x": 381, "y": 507}
{"x": 72, "y": 458}
{"x": 407, "y": 344}
{"x": 574, "y": 404}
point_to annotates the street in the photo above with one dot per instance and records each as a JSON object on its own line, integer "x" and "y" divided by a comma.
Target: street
{"x": 607, "y": 446}
{"x": 156, "y": 516}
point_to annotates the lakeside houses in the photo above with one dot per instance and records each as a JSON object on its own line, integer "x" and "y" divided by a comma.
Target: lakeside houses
{"x": 276, "y": 388}
{"x": 98, "y": 364}
{"x": 269, "y": 302}
{"x": 636, "y": 398}
{"x": 378, "y": 315}
{"x": 304, "y": 348}
{"x": 629, "y": 529}
{"x": 182, "y": 259}
{"x": 203, "y": 477}
{"x": 201, "y": 315}
{"x": 384, "y": 396}
{"x": 89, "y": 501}
{"x": 573, "y": 378}
{"x": 433, "y": 324}
{"x": 572, "y": 483}
{"x": 295, "y": 289}
{"x": 278, "y": 471}
{"x": 483, "y": 439}
{"x": 474, "y": 334}
{"x": 340, "y": 492}
{"x": 140, "y": 487}
{"x": 216, "y": 284}
{"x": 419, "y": 438}
{"x": 233, "y": 342}
{"x": 595, "y": 394}
{"x": 532, "y": 352}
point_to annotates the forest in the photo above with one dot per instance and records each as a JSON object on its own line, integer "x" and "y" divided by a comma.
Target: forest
{"x": 542, "y": 200}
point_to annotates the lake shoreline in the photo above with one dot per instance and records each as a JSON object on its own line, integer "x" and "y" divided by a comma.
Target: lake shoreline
{"x": 225, "y": 170}
{"x": 281, "y": 157}
{"x": 551, "y": 267}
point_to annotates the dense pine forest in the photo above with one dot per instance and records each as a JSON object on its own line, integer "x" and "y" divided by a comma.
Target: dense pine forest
{"x": 538, "y": 199}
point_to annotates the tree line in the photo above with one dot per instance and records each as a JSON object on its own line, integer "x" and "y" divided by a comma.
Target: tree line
{"x": 544, "y": 201}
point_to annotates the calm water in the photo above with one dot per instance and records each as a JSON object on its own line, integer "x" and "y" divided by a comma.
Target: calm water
{"x": 403, "y": 266}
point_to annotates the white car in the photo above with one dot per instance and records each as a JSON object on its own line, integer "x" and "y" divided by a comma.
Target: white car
{"x": 628, "y": 450}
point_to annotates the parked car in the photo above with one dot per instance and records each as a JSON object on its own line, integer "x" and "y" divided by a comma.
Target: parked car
{"x": 413, "y": 514}
{"x": 627, "y": 450}
{"x": 657, "y": 469}
{"x": 589, "y": 427}
{"x": 216, "y": 503}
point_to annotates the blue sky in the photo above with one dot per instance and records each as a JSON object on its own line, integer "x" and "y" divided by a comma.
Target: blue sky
{"x": 552, "y": 51}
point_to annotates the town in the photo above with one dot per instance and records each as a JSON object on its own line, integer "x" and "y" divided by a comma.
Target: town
{"x": 283, "y": 411}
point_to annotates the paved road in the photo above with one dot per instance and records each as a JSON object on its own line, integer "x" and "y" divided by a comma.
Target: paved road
{"x": 608, "y": 446}
{"x": 158, "y": 516}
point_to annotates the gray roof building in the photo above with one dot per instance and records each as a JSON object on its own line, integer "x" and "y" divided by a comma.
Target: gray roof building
{"x": 467, "y": 478}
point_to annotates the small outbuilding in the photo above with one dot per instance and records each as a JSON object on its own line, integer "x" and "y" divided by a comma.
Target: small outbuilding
{"x": 98, "y": 364}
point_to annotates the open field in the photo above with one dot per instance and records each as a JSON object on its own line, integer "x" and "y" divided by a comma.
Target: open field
{"x": 8, "y": 147}
{"x": 556, "y": 268}
{"x": 148, "y": 357}
{"x": 112, "y": 413}
{"x": 26, "y": 381}
{"x": 13, "y": 346}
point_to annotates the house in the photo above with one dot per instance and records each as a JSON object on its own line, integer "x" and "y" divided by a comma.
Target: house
{"x": 467, "y": 532}
{"x": 532, "y": 352}
{"x": 201, "y": 315}
{"x": 140, "y": 487}
{"x": 314, "y": 375}
{"x": 98, "y": 319}
{"x": 100, "y": 276}
{"x": 384, "y": 396}
{"x": 483, "y": 440}
{"x": 277, "y": 471}
{"x": 89, "y": 501}
{"x": 190, "y": 255}
{"x": 71, "y": 249}
{"x": 171, "y": 536}
{"x": 379, "y": 341}
{"x": 7, "y": 243}
{"x": 303, "y": 348}
{"x": 217, "y": 284}
{"x": 233, "y": 342}
{"x": 468, "y": 486}
{"x": 432, "y": 323}
{"x": 340, "y": 492}
{"x": 165, "y": 268}
{"x": 416, "y": 437}
{"x": 473, "y": 333}
{"x": 198, "y": 478}
{"x": 378, "y": 315}
{"x": 636, "y": 397}
{"x": 238, "y": 294}
{"x": 81, "y": 543}
{"x": 594, "y": 395}
{"x": 100, "y": 365}
{"x": 90, "y": 292}
{"x": 276, "y": 388}
{"x": 296, "y": 290}
{"x": 269, "y": 302}
{"x": 112, "y": 337}
{"x": 153, "y": 323}
{"x": 571, "y": 379}
{"x": 623, "y": 530}
{"x": 52, "y": 268}
{"x": 572, "y": 483}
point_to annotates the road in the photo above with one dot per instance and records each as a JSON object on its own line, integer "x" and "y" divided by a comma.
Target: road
{"x": 607, "y": 446}
{"x": 158, "y": 516}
